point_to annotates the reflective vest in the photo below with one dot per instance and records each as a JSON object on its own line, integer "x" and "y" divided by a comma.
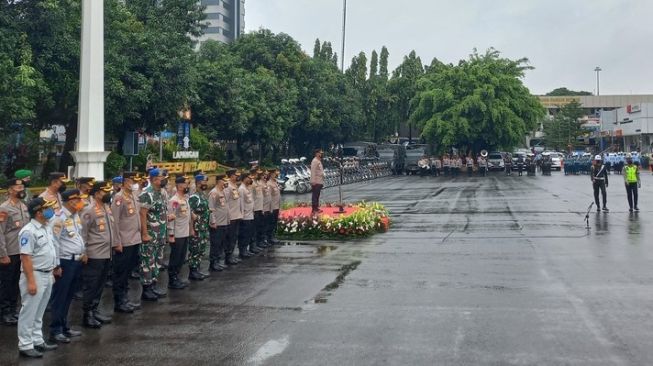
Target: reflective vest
{"x": 631, "y": 173}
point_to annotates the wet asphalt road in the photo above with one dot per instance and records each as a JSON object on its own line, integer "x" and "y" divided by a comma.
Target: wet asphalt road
{"x": 490, "y": 271}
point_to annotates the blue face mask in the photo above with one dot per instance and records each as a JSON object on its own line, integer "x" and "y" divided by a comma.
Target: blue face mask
{"x": 48, "y": 213}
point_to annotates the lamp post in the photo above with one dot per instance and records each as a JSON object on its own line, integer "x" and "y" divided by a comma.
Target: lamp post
{"x": 344, "y": 28}
{"x": 597, "y": 70}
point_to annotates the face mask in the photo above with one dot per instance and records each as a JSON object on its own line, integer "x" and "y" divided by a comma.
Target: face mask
{"x": 106, "y": 198}
{"x": 21, "y": 195}
{"x": 26, "y": 183}
{"x": 146, "y": 183}
{"x": 48, "y": 213}
{"x": 118, "y": 189}
{"x": 164, "y": 183}
{"x": 62, "y": 189}
{"x": 204, "y": 187}
{"x": 186, "y": 190}
{"x": 135, "y": 187}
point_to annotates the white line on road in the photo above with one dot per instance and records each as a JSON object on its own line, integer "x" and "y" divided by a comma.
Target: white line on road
{"x": 270, "y": 349}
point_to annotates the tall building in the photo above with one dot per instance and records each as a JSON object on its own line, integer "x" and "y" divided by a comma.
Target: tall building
{"x": 225, "y": 18}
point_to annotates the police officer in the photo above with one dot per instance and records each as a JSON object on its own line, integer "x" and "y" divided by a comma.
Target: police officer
{"x": 255, "y": 245}
{"x": 267, "y": 208}
{"x": 275, "y": 205}
{"x": 67, "y": 232}
{"x": 25, "y": 176}
{"x": 100, "y": 235}
{"x": 180, "y": 229}
{"x": 235, "y": 215}
{"x": 117, "y": 184}
{"x": 246, "y": 224}
{"x": 469, "y": 161}
{"x": 219, "y": 223}
{"x": 599, "y": 178}
{"x": 84, "y": 184}
{"x": 154, "y": 218}
{"x": 39, "y": 263}
{"x": 13, "y": 216}
{"x": 125, "y": 210}
{"x": 632, "y": 181}
{"x": 56, "y": 186}
{"x": 199, "y": 204}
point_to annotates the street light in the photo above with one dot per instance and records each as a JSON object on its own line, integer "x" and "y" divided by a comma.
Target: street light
{"x": 344, "y": 27}
{"x": 598, "y": 70}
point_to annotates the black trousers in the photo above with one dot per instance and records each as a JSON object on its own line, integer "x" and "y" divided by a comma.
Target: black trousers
{"x": 178, "y": 251}
{"x": 232, "y": 237}
{"x": 94, "y": 275}
{"x": 599, "y": 185}
{"x": 123, "y": 264}
{"x": 9, "y": 277}
{"x": 259, "y": 228}
{"x": 245, "y": 235}
{"x": 631, "y": 192}
{"x": 315, "y": 196}
{"x": 218, "y": 237}
{"x": 273, "y": 220}
{"x": 62, "y": 294}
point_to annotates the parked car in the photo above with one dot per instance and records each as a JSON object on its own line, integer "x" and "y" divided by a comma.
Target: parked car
{"x": 413, "y": 154}
{"x": 394, "y": 155}
{"x": 557, "y": 159}
{"x": 495, "y": 161}
{"x": 360, "y": 149}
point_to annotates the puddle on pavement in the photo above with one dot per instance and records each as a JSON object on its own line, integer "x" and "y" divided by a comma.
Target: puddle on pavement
{"x": 344, "y": 271}
{"x": 319, "y": 249}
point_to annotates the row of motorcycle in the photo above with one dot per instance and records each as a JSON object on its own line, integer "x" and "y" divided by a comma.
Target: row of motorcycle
{"x": 296, "y": 174}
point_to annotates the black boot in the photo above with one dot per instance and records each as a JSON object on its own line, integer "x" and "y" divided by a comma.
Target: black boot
{"x": 122, "y": 306}
{"x": 148, "y": 294}
{"x": 231, "y": 260}
{"x": 104, "y": 319}
{"x": 89, "y": 320}
{"x": 215, "y": 266}
{"x": 160, "y": 293}
{"x": 9, "y": 319}
{"x": 174, "y": 282}
{"x": 196, "y": 275}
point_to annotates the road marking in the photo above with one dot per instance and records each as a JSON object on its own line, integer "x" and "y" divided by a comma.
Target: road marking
{"x": 270, "y": 349}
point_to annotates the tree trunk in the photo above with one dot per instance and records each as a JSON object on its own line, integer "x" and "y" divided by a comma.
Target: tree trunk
{"x": 71, "y": 136}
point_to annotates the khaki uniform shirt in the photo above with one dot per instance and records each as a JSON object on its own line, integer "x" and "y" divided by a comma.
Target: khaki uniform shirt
{"x": 12, "y": 219}
{"x": 180, "y": 226}
{"x": 267, "y": 198}
{"x": 99, "y": 231}
{"x": 233, "y": 202}
{"x": 247, "y": 202}
{"x": 218, "y": 208}
{"x": 275, "y": 195}
{"x": 317, "y": 172}
{"x": 125, "y": 210}
{"x": 257, "y": 188}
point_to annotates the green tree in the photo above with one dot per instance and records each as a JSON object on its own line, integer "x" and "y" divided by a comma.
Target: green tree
{"x": 383, "y": 63}
{"x": 480, "y": 103}
{"x": 564, "y": 128}
{"x": 563, "y": 92}
{"x": 402, "y": 89}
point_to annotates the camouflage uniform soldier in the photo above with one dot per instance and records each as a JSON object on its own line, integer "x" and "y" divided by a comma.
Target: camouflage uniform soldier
{"x": 199, "y": 204}
{"x": 154, "y": 216}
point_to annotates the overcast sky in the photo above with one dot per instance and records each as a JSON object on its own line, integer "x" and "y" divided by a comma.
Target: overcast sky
{"x": 564, "y": 39}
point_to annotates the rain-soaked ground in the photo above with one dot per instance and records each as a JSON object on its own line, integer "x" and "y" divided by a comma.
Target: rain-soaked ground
{"x": 496, "y": 270}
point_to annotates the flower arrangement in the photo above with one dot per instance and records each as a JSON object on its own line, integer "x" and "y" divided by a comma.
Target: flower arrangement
{"x": 366, "y": 219}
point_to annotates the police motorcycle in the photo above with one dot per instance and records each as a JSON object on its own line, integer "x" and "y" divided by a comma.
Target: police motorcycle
{"x": 304, "y": 175}
{"x": 289, "y": 179}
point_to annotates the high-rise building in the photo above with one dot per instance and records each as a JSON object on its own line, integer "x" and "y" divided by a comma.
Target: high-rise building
{"x": 225, "y": 18}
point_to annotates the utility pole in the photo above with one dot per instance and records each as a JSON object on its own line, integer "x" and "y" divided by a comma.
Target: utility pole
{"x": 344, "y": 29}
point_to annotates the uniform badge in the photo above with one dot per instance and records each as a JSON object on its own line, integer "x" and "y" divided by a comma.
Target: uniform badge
{"x": 19, "y": 224}
{"x": 101, "y": 227}
{"x": 130, "y": 211}
{"x": 23, "y": 241}
{"x": 118, "y": 202}
{"x": 3, "y": 216}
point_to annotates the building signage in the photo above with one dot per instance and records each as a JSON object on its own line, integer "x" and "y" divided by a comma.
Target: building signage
{"x": 186, "y": 155}
{"x": 634, "y": 108}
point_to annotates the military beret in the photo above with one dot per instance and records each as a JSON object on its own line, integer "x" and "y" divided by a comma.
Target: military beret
{"x": 200, "y": 177}
{"x": 72, "y": 194}
{"x": 154, "y": 173}
{"x": 23, "y": 173}
{"x": 117, "y": 180}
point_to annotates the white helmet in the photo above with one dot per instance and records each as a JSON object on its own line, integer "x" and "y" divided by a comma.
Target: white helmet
{"x": 629, "y": 156}
{"x": 598, "y": 158}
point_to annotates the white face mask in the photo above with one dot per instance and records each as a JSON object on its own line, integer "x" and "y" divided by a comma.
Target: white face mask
{"x": 135, "y": 187}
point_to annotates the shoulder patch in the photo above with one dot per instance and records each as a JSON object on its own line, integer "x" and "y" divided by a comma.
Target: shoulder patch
{"x": 24, "y": 240}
